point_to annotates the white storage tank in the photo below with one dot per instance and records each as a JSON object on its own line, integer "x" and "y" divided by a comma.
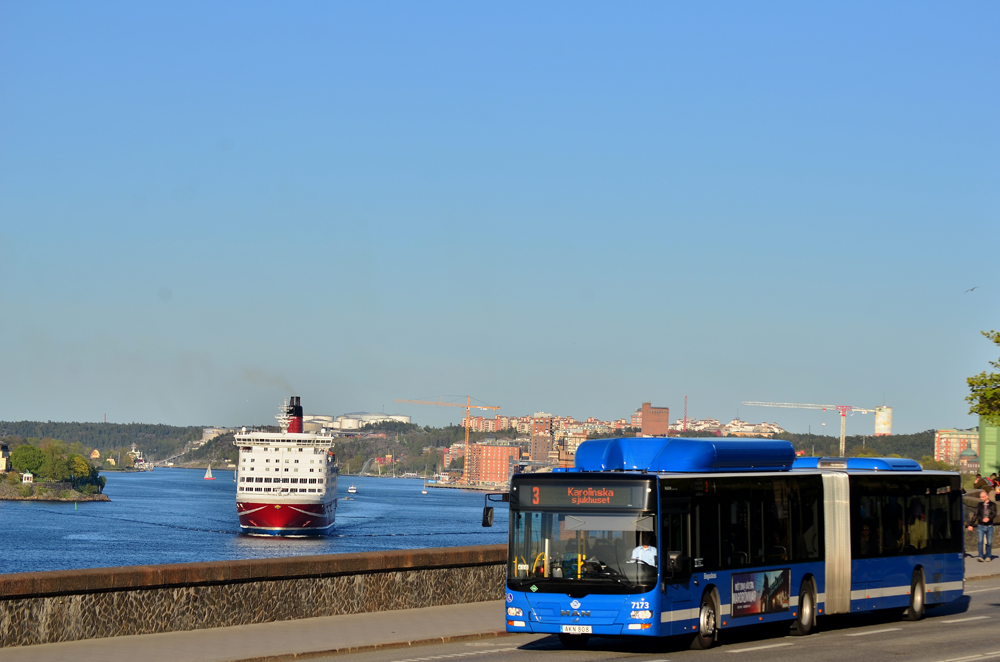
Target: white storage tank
{"x": 883, "y": 421}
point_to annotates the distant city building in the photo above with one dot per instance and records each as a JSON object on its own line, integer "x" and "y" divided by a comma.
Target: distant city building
{"x": 5, "y": 458}
{"x": 655, "y": 420}
{"x": 574, "y": 437}
{"x": 454, "y": 452}
{"x": 637, "y": 418}
{"x": 738, "y": 428}
{"x": 542, "y": 437}
{"x": 704, "y": 425}
{"x": 968, "y": 461}
{"x": 949, "y": 444}
{"x": 353, "y": 421}
{"x": 208, "y": 434}
{"x": 489, "y": 463}
{"x": 539, "y": 448}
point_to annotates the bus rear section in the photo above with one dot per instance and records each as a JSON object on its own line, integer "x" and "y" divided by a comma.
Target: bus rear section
{"x": 906, "y": 540}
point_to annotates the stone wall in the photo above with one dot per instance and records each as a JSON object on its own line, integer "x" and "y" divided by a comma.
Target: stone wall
{"x": 67, "y": 605}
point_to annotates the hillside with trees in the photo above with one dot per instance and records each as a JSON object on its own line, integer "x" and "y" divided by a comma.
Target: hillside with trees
{"x": 914, "y": 446}
{"x": 109, "y": 438}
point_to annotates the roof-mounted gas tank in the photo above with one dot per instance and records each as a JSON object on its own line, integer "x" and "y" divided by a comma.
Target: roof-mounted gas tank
{"x": 858, "y": 463}
{"x": 683, "y": 455}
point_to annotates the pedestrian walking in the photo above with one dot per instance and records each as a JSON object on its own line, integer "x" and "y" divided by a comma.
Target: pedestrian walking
{"x": 982, "y": 520}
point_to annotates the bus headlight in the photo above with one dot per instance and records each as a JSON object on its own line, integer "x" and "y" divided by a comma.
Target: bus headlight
{"x": 514, "y": 611}
{"x": 638, "y": 615}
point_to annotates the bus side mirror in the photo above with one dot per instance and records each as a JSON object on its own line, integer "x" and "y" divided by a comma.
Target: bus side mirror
{"x": 678, "y": 564}
{"x": 488, "y": 510}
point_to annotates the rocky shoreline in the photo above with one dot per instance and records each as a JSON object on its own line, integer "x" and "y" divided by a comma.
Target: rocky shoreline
{"x": 48, "y": 492}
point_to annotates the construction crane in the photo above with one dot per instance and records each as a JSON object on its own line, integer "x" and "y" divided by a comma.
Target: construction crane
{"x": 468, "y": 407}
{"x": 843, "y": 409}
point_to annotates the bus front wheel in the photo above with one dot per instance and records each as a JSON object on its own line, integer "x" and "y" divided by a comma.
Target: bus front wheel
{"x": 707, "y": 623}
{"x": 573, "y": 641}
{"x": 806, "y": 619}
{"x": 918, "y": 594}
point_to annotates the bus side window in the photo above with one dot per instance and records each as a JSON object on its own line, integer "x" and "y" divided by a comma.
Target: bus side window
{"x": 916, "y": 524}
{"x": 892, "y": 525}
{"x": 805, "y": 499}
{"x": 944, "y": 522}
{"x": 777, "y": 522}
{"x": 706, "y": 532}
{"x": 735, "y": 526}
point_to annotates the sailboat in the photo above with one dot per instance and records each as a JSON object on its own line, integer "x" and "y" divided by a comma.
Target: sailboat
{"x": 424, "y": 489}
{"x": 208, "y": 473}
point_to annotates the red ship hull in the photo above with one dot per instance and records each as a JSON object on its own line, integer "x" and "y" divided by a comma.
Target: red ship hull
{"x": 286, "y": 519}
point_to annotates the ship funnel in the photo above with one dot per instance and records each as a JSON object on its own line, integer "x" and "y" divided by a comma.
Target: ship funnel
{"x": 295, "y": 414}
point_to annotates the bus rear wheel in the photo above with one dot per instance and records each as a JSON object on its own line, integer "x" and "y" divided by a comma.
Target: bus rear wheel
{"x": 707, "y": 624}
{"x": 806, "y": 619}
{"x": 573, "y": 641}
{"x": 918, "y": 595}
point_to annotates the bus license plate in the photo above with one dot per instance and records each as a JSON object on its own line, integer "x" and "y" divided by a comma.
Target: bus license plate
{"x": 577, "y": 629}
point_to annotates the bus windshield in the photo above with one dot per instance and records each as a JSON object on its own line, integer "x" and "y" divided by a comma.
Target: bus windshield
{"x": 604, "y": 551}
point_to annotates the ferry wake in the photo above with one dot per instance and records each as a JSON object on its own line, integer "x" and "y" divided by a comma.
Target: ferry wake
{"x": 287, "y": 480}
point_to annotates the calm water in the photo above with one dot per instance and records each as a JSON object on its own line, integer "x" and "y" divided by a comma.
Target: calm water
{"x": 175, "y": 516}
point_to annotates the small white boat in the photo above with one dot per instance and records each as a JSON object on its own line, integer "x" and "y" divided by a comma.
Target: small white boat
{"x": 352, "y": 490}
{"x": 424, "y": 489}
{"x": 208, "y": 473}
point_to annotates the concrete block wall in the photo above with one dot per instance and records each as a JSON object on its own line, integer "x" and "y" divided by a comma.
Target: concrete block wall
{"x": 68, "y": 605}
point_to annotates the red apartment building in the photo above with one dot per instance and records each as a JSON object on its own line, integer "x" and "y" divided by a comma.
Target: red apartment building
{"x": 655, "y": 420}
{"x": 949, "y": 444}
{"x": 491, "y": 464}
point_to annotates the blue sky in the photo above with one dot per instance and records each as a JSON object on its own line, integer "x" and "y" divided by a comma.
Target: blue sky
{"x": 568, "y": 207}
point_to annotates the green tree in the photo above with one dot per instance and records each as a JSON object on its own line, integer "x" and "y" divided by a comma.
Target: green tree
{"x": 27, "y": 458}
{"x": 929, "y": 463}
{"x": 55, "y": 467}
{"x": 79, "y": 469}
{"x": 984, "y": 388}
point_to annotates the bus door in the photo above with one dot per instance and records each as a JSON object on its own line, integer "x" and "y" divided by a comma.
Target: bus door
{"x": 675, "y": 567}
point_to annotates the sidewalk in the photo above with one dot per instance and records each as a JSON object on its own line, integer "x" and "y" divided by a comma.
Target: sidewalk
{"x": 283, "y": 640}
{"x": 974, "y": 570}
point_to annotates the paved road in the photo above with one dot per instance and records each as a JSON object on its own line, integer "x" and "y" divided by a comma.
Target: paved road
{"x": 964, "y": 631}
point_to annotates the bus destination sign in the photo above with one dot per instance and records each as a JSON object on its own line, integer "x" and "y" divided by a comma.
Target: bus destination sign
{"x": 601, "y": 495}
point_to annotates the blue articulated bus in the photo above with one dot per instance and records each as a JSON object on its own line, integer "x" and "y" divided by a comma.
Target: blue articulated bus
{"x": 652, "y": 537}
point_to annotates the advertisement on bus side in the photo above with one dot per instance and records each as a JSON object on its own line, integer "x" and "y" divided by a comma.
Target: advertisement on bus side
{"x": 760, "y": 592}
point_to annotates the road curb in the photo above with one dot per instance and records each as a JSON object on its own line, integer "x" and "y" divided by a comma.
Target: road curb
{"x": 288, "y": 657}
{"x": 981, "y": 577}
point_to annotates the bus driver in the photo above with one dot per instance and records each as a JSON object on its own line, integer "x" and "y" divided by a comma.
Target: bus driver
{"x": 644, "y": 553}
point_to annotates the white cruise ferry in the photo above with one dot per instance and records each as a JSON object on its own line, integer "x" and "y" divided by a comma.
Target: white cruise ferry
{"x": 287, "y": 480}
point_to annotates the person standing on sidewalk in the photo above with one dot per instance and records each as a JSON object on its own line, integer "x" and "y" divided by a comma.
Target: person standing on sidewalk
{"x": 986, "y": 511}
